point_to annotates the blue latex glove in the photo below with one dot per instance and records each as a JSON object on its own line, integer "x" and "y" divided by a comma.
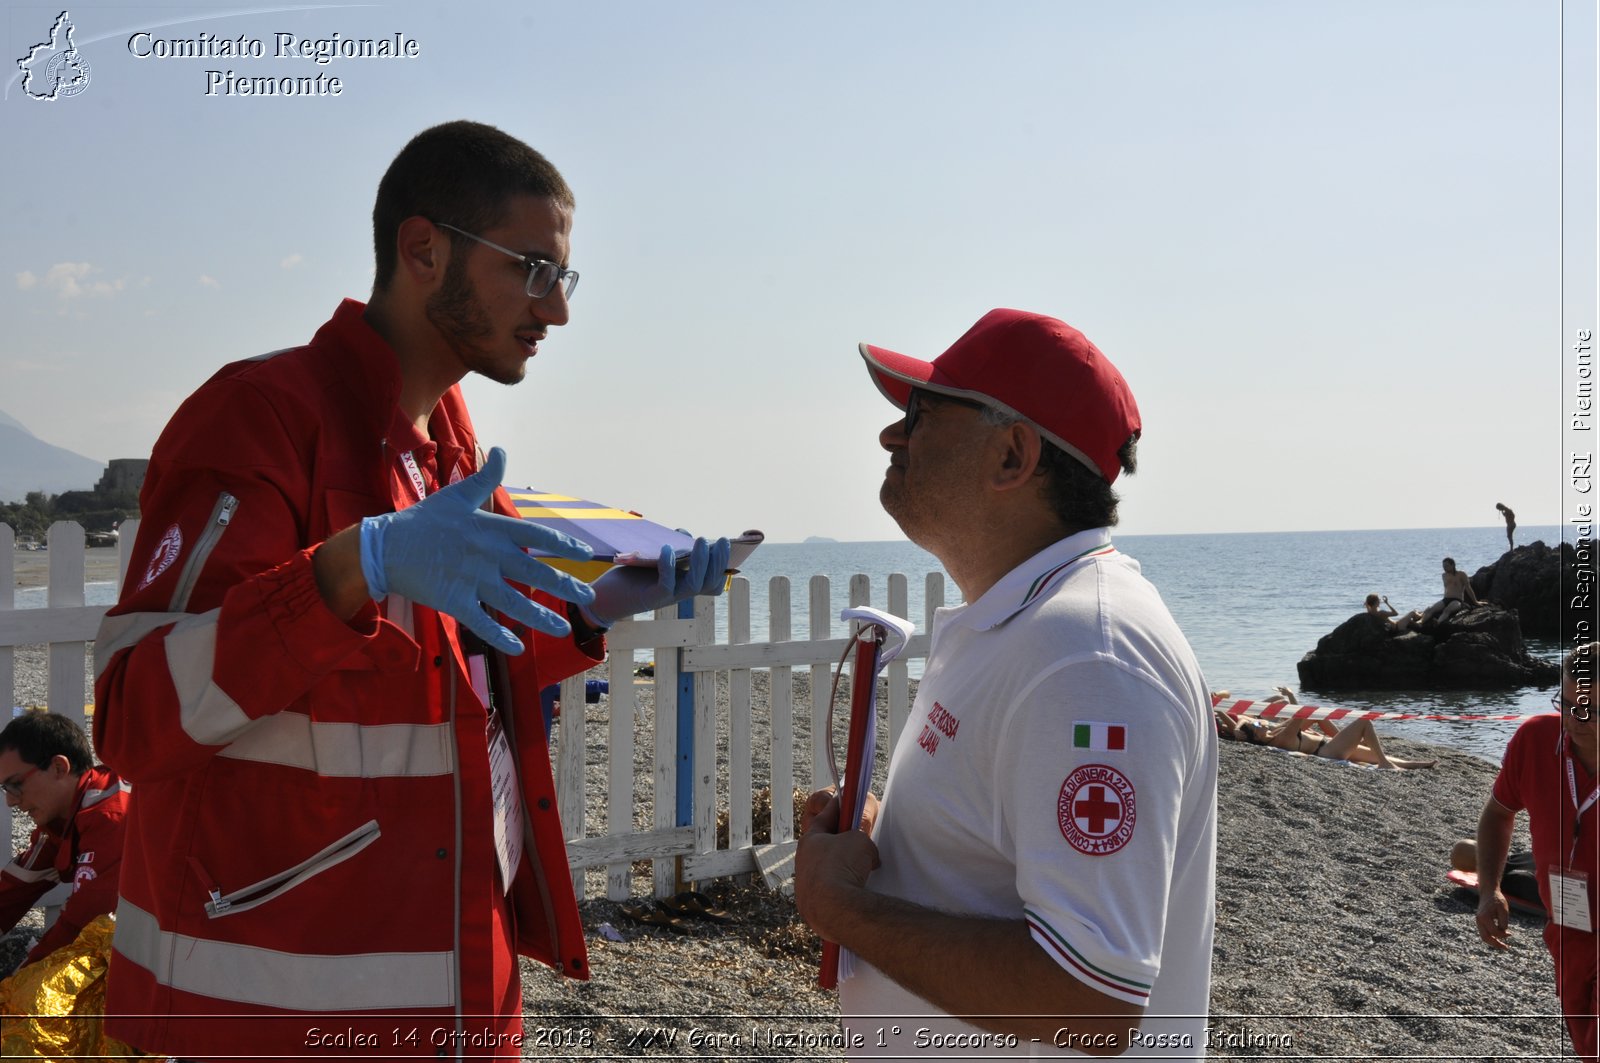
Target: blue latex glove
{"x": 448, "y": 554}
{"x": 626, "y": 589}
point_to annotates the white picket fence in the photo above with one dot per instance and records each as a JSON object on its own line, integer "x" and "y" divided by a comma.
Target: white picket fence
{"x": 596, "y": 750}
{"x": 65, "y": 627}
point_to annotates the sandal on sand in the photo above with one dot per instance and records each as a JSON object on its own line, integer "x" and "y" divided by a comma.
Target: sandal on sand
{"x": 642, "y": 913}
{"x": 695, "y": 905}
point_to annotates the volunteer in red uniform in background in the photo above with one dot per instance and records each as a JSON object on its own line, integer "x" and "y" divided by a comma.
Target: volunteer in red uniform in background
{"x": 344, "y": 827}
{"x": 47, "y": 770}
{"x": 1552, "y": 770}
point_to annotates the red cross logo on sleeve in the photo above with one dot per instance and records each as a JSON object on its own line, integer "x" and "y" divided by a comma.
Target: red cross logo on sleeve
{"x": 1092, "y": 812}
{"x": 1096, "y": 810}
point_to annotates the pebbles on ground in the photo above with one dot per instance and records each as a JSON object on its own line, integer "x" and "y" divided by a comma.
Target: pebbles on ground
{"x": 1336, "y": 936}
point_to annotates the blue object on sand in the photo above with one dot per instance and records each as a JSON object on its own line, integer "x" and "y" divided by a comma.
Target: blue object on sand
{"x": 551, "y": 695}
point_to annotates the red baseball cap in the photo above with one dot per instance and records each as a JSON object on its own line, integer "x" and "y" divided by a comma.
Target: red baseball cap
{"x": 1036, "y": 367}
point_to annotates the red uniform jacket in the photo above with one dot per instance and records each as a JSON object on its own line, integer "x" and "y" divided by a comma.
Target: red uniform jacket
{"x": 1533, "y": 777}
{"x": 310, "y": 848}
{"x": 85, "y": 850}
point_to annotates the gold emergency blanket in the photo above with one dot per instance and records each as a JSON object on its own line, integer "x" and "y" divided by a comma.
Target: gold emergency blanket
{"x": 54, "y": 1009}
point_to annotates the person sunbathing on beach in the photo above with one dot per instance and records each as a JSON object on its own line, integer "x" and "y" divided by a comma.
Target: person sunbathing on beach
{"x": 1357, "y": 742}
{"x": 1390, "y": 619}
{"x": 1517, "y": 880}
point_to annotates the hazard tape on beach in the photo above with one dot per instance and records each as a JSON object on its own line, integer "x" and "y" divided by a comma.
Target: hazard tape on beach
{"x": 1283, "y": 710}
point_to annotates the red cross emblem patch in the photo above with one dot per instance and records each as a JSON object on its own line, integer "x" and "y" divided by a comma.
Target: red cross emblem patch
{"x": 1096, "y": 810}
{"x": 166, "y": 553}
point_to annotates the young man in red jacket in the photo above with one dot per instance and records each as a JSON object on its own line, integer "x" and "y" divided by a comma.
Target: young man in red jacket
{"x": 47, "y": 770}
{"x": 344, "y": 828}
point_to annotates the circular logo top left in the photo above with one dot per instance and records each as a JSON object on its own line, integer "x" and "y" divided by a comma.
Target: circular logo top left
{"x": 54, "y": 69}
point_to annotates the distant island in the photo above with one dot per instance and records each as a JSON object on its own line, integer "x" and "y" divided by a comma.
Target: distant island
{"x": 818, "y": 539}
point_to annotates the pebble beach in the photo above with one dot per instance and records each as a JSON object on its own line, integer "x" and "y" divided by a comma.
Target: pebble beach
{"x": 1337, "y": 935}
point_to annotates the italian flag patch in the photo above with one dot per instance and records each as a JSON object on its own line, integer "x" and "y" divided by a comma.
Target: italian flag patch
{"x": 1099, "y": 736}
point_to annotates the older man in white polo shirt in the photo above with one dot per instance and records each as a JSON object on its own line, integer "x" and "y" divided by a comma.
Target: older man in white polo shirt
{"x": 1040, "y": 875}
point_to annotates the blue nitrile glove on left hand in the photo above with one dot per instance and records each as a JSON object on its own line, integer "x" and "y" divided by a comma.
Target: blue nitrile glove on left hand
{"x": 626, "y": 590}
{"x": 450, "y": 555}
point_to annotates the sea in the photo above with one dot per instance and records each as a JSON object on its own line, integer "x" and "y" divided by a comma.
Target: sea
{"x": 1251, "y": 604}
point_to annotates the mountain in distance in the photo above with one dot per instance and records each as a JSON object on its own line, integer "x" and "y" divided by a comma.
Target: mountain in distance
{"x": 819, "y": 539}
{"x": 28, "y": 463}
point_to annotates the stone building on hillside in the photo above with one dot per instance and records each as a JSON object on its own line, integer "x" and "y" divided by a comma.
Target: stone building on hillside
{"x": 123, "y": 475}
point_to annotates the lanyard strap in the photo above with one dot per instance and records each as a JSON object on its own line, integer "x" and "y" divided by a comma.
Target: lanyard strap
{"x": 1577, "y": 821}
{"x": 418, "y": 484}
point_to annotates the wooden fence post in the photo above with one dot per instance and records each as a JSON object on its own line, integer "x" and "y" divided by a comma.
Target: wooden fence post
{"x": 620, "y": 780}
{"x": 899, "y": 681}
{"x": 665, "y": 816}
{"x": 740, "y": 790}
{"x": 66, "y": 693}
{"x": 8, "y": 666}
{"x": 781, "y": 705}
{"x": 571, "y": 746}
{"x": 821, "y": 683}
{"x": 705, "y": 734}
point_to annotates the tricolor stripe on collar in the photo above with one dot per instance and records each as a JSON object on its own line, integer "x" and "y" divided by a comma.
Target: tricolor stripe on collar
{"x": 1043, "y": 583}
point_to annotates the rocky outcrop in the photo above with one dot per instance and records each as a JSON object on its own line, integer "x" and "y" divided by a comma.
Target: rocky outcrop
{"x": 1538, "y": 582}
{"x": 1477, "y": 649}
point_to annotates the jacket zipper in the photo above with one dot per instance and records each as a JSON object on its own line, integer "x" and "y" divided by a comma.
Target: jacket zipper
{"x": 226, "y": 506}
{"x": 259, "y": 893}
{"x": 455, "y": 779}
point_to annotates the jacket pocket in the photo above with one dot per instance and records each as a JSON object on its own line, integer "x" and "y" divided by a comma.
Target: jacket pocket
{"x": 259, "y": 893}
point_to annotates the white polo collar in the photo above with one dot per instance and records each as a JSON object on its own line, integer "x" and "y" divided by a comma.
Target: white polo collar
{"x": 1033, "y": 578}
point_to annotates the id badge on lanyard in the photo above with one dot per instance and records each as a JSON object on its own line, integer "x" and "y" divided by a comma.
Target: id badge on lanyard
{"x": 507, "y": 803}
{"x": 505, "y": 789}
{"x": 1569, "y": 887}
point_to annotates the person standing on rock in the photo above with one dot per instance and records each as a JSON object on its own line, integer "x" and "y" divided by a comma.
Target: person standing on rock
{"x": 344, "y": 828}
{"x": 1458, "y": 595}
{"x": 1511, "y": 523}
{"x": 1042, "y": 865}
{"x": 1552, "y": 771}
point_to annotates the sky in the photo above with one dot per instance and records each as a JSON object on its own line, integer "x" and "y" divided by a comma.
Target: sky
{"x": 1321, "y": 240}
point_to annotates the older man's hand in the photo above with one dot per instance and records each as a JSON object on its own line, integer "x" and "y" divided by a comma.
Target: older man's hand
{"x": 819, "y": 799}
{"x": 829, "y": 869}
